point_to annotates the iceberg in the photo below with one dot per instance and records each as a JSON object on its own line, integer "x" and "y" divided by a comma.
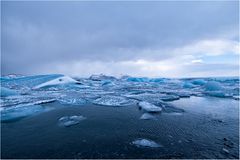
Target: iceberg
{"x": 68, "y": 121}
{"x": 146, "y": 143}
{"x": 57, "y": 81}
{"x": 213, "y": 86}
{"x": 149, "y": 107}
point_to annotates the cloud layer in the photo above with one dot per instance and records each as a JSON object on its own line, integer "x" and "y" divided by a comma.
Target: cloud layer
{"x": 171, "y": 39}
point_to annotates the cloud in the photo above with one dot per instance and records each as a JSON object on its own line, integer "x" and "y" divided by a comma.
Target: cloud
{"x": 116, "y": 37}
{"x": 210, "y": 47}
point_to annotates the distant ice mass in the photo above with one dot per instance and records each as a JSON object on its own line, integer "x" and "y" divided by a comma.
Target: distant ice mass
{"x": 149, "y": 107}
{"x": 68, "y": 121}
{"x": 146, "y": 143}
{"x": 57, "y": 81}
{"x": 150, "y": 94}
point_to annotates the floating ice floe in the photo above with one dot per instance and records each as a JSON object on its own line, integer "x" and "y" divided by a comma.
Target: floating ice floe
{"x": 146, "y": 143}
{"x": 149, "y": 107}
{"x": 57, "y": 81}
{"x": 213, "y": 86}
{"x": 147, "y": 116}
{"x": 18, "y": 112}
{"x": 154, "y": 98}
{"x": 113, "y": 101}
{"x": 68, "y": 121}
{"x": 7, "y": 92}
{"x": 73, "y": 101}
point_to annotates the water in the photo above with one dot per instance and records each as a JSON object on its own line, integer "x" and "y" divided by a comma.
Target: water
{"x": 108, "y": 132}
{"x": 104, "y": 118}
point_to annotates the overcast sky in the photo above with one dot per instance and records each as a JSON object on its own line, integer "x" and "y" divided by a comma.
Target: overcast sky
{"x": 155, "y": 39}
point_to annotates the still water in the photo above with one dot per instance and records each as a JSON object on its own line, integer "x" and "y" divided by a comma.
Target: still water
{"x": 208, "y": 128}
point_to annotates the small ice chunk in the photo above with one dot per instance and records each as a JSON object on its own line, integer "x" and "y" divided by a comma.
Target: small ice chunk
{"x": 68, "y": 121}
{"x": 149, "y": 107}
{"x": 57, "y": 81}
{"x": 146, "y": 143}
{"x": 147, "y": 116}
{"x": 213, "y": 86}
{"x": 7, "y": 92}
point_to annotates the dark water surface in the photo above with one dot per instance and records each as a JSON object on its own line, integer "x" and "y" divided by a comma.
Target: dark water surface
{"x": 206, "y": 127}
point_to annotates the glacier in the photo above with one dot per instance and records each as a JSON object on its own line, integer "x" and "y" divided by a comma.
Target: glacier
{"x": 151, "y": 94}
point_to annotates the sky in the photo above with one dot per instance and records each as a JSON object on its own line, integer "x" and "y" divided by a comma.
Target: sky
{"x": 144, "y": 39}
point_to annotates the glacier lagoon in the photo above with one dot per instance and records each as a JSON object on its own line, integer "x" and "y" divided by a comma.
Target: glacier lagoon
{"x": 56, "y": 116}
